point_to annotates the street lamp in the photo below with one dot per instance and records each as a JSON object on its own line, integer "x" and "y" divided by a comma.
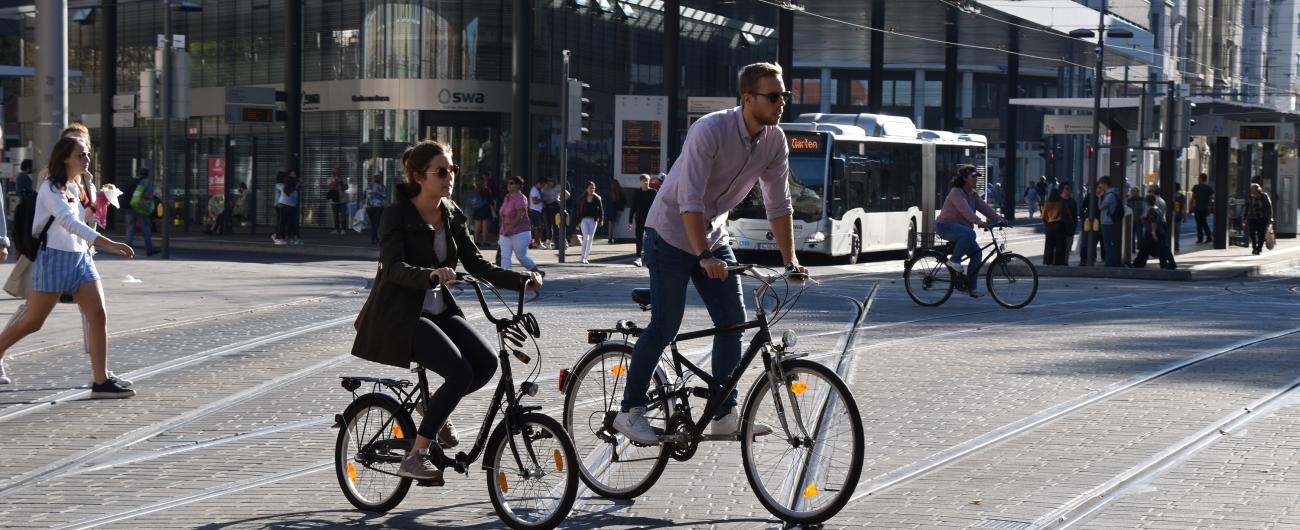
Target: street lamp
{"x": 1095, "y": 155}
{"x": 184, "y": 7}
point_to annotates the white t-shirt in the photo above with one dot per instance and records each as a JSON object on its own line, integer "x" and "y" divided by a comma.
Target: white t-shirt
{"x": 435, "y": 300}
{"x": 535, "y": 193}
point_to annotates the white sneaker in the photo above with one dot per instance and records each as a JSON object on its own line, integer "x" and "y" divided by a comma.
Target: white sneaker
{"x": 585, "y": 262}
{"x": 637, "y": 263}
{"x": 729, "y": 426}
{"x": 279, "y": 242}
{"x": 4, "y": 374}
{"x": 296, "y": 242}
{"x": 633, "y": 425}
{"x": 124, "y": 383}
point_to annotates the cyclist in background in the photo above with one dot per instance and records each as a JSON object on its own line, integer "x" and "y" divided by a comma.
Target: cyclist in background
{"x": 955, "y": 220}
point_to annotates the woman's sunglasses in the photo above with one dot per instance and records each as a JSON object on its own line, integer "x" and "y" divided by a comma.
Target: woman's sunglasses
{"x": 444, "y": 172}
{"x": 772, "y": 97}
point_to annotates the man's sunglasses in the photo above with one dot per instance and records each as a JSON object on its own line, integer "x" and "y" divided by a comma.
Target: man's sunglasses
{"x": 772, "y": 97}
{"x": 444, "y": 172}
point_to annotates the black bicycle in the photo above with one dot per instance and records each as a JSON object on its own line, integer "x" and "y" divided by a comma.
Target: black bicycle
{"x": 531, "y": 479}
{"x": 1011, "y": 278}
{"x": 804, "y": 471}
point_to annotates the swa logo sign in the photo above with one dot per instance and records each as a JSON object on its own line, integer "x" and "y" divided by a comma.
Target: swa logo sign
{"x": 447, "y": 97}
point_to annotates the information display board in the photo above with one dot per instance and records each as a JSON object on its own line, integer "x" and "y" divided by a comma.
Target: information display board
{"x": 642, "y": 149}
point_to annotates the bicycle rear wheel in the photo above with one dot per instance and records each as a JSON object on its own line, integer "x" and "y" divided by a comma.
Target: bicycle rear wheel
{"x": 531, "y": 477}
{"x": 927, "y": 279}
{"x": 805, "y": 471}
{"x": 1012, "y": 280}
{"x": 611, "y": 465}
{"x": 373, "y": 440}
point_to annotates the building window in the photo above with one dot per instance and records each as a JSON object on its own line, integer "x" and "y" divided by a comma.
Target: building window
{"x": 806, "y": 91}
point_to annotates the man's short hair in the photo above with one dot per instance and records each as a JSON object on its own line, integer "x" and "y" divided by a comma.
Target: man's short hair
{"x": 26, "y": 165}
{"x": 750, "y": 75}
{"x": 645, "y": 177}
{"x": 1204, "y": 176}
{"x": 1104, "y": 180}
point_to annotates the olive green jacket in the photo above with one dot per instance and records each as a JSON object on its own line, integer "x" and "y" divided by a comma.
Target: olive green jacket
{"x": 406, "y": 259}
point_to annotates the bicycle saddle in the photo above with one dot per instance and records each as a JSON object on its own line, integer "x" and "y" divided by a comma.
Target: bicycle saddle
{"x": 641, "y": 296}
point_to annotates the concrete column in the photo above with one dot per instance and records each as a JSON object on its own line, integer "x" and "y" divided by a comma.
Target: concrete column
{"x": 672, "y": 87}
{"x": 967, "y": 94}
{"x": 51, "y": 76}
{"x": 876, "y": 86}
{"x": 828, "y": 91}
{"x": 918, "y": 98}
{"x": 520, "y": 125}
{"x": 107, "y": 89}
{"x": 1219, "y": 157}
{"x": 950, "y": 70}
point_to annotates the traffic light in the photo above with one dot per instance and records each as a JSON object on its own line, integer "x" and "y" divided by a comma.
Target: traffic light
{"x": 579, "y": 117}
{"x": 150, "y": 97}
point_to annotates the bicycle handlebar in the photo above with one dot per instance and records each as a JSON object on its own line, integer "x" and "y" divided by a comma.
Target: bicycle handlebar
{"x": 474, "y": 282}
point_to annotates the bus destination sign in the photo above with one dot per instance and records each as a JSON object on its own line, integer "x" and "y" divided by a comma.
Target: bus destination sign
{"x": 807, "y": 144}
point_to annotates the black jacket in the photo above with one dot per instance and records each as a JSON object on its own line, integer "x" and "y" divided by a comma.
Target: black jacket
{"x": 406, "y": 259}
{"x": 641, "y": 205}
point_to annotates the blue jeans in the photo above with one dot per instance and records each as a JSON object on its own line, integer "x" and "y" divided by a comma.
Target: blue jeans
{"x": 1110, "y": 244}
{"x": 670, "y": 269}
{"x": 131, "y": 217}
{"x": 963, "y": 244}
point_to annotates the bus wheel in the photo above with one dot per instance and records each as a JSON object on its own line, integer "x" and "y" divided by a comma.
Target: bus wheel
{"x": 855, "y": 248}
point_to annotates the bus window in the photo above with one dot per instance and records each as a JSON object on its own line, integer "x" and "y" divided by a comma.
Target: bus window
{"x": 839, "y": 190}
{"x": 807, "y": 182}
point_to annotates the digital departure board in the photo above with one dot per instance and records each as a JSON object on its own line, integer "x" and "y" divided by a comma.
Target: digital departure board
{"x": 806, "y": 144}
{"x": 1258, "y": 132}
{"x": 641, "y": 147}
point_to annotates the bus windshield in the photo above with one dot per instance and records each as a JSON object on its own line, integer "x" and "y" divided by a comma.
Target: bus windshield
{"x": 807, "y": 187}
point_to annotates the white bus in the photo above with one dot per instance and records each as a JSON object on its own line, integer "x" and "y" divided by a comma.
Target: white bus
{"x": 859, "y": 183}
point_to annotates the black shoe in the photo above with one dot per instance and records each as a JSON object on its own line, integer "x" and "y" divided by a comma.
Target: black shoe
{"x": 109, "y": 390}
{"x": 151, "y": 252}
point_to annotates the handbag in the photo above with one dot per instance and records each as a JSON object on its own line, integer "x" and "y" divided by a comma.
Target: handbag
{"x": 1270, "y": 239}
{"x": 19, "y": 283}
{"x": 360, "y": 221}
{"x": 374, "y": 286}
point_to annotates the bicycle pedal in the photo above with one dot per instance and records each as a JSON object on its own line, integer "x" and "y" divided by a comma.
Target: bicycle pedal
{"x": 430, "y": 483}
{"x": 720, "y": 437}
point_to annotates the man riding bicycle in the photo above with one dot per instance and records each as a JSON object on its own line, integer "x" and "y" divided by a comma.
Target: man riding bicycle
{"x": 724, "y": 155}
{"x": 955, "y": 220}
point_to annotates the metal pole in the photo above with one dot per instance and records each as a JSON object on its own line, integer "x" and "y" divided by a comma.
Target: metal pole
{"x": 1011, "y": 125}
{"x": 1094, "y": 158}
{"x": 293, "y": 90}
{"x": 562, "y": 239}
{"x": 521, "y": 78}
{"x": 108, "y": 89}
{"x": 875, "y": 86}
{"x": 166, "y": 173}
{"x": 51, "y": 76}
{"x": 785, "y": 46}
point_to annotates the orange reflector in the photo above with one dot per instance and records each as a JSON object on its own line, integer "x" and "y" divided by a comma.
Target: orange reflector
{"x": 798, "y": 387}
{"x": 352, "y": 472}
{"x": 618, "y": 370}
{"x": 559, "y": 460}
{"x": 810, "y": 491}
{"x": 397, "y": 431}
{"x": 501, "y": 481}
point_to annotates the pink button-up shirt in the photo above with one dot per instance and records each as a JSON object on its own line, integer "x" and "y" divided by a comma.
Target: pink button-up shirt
{"x": 719, "y": 165}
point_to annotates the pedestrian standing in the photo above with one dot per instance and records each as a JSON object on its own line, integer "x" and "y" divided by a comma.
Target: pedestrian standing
{"x": 591, "y": 211}
{"x": 376, "y": 198}
{"x": 516, "y": 226}
{"x": 1031, "y": 199}
{"x": 1069, "y": 220}
{"x": 286, "y": 201}
{"x": 1112, "y": 211}
{"x": 482, "y": 204}
{"x": 1202, "y": 197}
{"x": 1055, "y": 248}
{"x": 24, "y": 178}
{"x": 64, "y": 263}
{"x": 1259, "y": 216}
{"x": 338, "y": 199}
{"x": 552, "y": 230}
{"x": 1136, "y": 203}
{"x": 1180, "y": 207}
{"x": 536, "y": 213}
{"x": 616, "y": 205}
{"x": 1155, "y": 240}
{"x": 637, "y": 215}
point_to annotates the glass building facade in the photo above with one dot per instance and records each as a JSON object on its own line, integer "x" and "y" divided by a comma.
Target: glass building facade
{"x": 379, "y": 75}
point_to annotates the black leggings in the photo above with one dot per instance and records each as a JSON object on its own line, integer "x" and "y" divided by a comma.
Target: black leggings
{"x": 447, "y": 345}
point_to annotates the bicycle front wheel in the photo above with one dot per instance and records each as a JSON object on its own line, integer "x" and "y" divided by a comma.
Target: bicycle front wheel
{"x": 805, "y": 471}
{"x": 373, "y": 440}
{"x": 927, "y": 279}
{"x": 531, "y": 477}
{"x": 612, "y": 465}
{"x": 1012, "y": 280}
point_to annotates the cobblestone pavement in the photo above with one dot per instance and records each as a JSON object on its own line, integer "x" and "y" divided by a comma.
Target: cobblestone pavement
{"x": 1103, "y": 404}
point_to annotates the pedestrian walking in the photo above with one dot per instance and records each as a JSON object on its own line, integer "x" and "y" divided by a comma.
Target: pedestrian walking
{"x": 1202, "y": 198}
{"x": 1053, "y": 215}
{"x": 64, "y": 263}
{"x": 536, "y": 214}
{"x": 516, "y": 226}
{"x": 591, "y": 211}
{"x": 1180, "y": 209}
{"x": 1031, "y": 199}
{"x": 641, "y": 202}
{"x": 616, "y": 205}
{"x": 482, "y": 205}
{"x": 1259, "y": 217}
{"x": 552, "y": 226}
{"x": 376, "y": 198}
{"x": 337, "y": 195}
{"x": 1069, "y": 220}
{"x": 1112, "y": 216}
{"x": 286, "y": 202}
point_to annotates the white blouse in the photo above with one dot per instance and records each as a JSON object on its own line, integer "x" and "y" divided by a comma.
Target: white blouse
{"x": 68, "y": 232}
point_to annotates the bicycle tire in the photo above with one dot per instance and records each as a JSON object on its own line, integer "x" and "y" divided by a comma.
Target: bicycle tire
{"x": 536, "y": 481}
{"x": 925, "y": 274}
{"x": 813, "y": 478}
{"x": 585, "y": 426}
{"x": 382, "y": 490}
{"x": 1003, "y": 275}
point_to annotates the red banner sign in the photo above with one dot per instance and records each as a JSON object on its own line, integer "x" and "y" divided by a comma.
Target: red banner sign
{"x": 216, "y": 176}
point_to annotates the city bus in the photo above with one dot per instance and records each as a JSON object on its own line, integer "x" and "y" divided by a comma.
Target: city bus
{"x": 859, "y": 183}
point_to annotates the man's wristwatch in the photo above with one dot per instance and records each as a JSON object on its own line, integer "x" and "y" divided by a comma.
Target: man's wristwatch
{"x": 703, "y": 255}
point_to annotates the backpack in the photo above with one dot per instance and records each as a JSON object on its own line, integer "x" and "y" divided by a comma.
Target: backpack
{"x": 138, "y": 202}
{"x": 1116, "y": 215}
{"x": 21, "y": 232}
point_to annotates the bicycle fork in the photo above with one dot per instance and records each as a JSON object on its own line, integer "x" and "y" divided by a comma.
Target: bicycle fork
{"x": 778, "y": 380}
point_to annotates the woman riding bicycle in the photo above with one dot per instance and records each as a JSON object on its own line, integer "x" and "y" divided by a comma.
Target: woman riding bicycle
{"x": 955, "y": 220}
{"x": 423, "y": 236}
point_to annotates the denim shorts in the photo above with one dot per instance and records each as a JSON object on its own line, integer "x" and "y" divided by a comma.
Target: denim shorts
{"x": 60, "y": 271}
